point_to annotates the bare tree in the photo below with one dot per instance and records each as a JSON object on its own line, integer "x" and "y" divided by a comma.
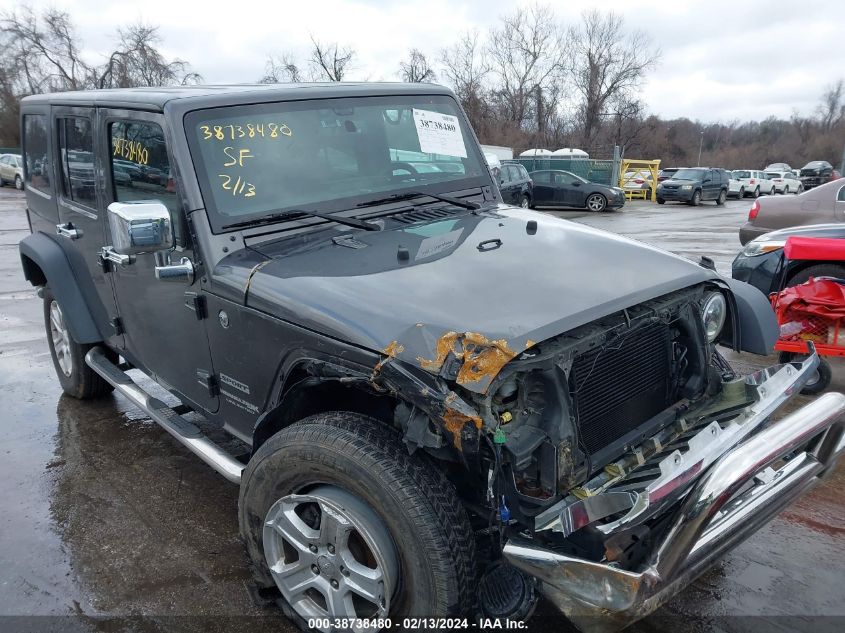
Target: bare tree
{"x": 526, "y": 51}
{"x": 832, "y": 108}
{"x": 281, "y": 69}
{"x": 417, "y": 68}
{"x": 466, "y": 71}
{"x": 605, "y": 63}
{"x": 331, "y": 61}
{"x": 138, "y": 62}
{"x": 43, "y": 53}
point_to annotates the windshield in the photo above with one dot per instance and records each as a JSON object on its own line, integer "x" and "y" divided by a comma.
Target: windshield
{"x": 329, "y": 155}
{"x": 738, "y": 173}
{"x": 688, "y": 174}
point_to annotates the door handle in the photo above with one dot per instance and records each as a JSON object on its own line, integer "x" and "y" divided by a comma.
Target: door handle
{"x": 108, "y": 254}
{"x": 68, "y": 231}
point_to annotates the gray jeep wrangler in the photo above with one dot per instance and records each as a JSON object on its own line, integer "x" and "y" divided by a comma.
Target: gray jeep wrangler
{"x": 448, "y": 405}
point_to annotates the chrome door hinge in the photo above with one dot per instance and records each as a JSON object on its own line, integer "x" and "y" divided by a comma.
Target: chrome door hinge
{"x": 68, "y": 231}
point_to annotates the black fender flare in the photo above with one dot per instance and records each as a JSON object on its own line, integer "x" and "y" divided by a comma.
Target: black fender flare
{"x": 756, "y": 326}
{"x": 45, "y": 261}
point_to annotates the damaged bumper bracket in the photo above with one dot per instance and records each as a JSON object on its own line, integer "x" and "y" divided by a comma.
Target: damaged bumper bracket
{"x": 734, "y": 496}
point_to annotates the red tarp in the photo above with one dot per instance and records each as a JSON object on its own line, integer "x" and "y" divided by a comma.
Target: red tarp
{"x": 825, "y": 248}
{"x": 817, "y": 297}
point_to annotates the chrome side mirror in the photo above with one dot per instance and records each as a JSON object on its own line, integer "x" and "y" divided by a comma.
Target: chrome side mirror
{"x": 140, "y": 227}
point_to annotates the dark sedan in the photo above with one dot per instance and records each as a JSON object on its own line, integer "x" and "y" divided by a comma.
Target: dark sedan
{"x": 760, "y": 263}
{"x": 557, "y": 188}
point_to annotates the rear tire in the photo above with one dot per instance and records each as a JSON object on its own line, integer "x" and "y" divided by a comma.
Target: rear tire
{"x": 722, "y": 197}
{"x": 525, "y": 203}
{"x": 75, "y": 376}
{"x": 18, "y": 183}
{"x": 819, "y": 381}
{"x": 427, "y": 526}
{"x": 772, "y": 191}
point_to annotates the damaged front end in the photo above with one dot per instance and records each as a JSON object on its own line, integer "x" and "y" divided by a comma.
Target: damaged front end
{"x": 619, "y": 459}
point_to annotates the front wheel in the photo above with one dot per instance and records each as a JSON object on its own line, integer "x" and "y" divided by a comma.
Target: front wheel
{"x": 661, "y": 201}
{"x": 337, "y": 515}
{"x": 596, "y": 202}
{"x": 742, "y": 192}
{"x": 696, "y": 199}
{"x": 756, "y": 193}
{"x": 75, "y": 376}
{"x": 819, "y": 381}
{"x": 786, "y": 190}
{"x": 524, "y": 202}
{"x": 18, "y": 183}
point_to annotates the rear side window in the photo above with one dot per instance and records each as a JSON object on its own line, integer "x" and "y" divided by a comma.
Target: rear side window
{"x": 140, "y": 167}
{"x": 513, "y": 172}
{"x": 541, "y": 176}
{"x": 841, "y": 196}
{"x": 36, "y": 152}
{"x": 76, "y": 152}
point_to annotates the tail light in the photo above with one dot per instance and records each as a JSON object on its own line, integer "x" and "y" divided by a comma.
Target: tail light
{"x": 755, "y": 209}
{"x": 639, "y": 181}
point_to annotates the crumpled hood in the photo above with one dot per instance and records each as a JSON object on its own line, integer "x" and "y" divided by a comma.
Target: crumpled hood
{"x": 482, "y": 287}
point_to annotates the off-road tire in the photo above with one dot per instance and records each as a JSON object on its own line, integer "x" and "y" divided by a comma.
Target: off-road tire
{"x": 723, "y": 195}
{"x": 819, "y": 270}
{"x": 696, "y": 198}
{"x": 83, "y": 382}
{"x": 823, "y": 374}
{"x": 415, "y": 501}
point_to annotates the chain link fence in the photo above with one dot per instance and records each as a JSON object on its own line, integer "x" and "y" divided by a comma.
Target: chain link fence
{"x": 598, "y": 171}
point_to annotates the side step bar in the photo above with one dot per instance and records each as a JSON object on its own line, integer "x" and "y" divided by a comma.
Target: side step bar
{"x": 188, "y": 434}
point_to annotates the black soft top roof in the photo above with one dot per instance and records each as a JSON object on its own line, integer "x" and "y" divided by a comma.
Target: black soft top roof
{"x": 210, "y": 96}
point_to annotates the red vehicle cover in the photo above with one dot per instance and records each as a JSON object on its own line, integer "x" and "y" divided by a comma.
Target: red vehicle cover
{"x": 826, "y": 248}
{"x": 817, "y": 297}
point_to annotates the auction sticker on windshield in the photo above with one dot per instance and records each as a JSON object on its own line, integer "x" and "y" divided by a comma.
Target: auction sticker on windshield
{"x": 439, "y": 133}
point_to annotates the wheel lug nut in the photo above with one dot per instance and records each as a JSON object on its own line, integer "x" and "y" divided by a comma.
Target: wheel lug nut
{"x": 313, "y": 548}
{"x": 331, "y": 548}
{"x": 315, "y": 569}
{"x": 334, "y": 584}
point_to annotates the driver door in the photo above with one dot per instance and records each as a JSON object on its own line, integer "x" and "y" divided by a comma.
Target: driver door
{"x": 162, "y": 321}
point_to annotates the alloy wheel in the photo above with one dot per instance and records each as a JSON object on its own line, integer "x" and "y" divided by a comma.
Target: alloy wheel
{"x": 61, "y": 339}
{"x": 596, "y": 202}
{"x": 330, "y": 555}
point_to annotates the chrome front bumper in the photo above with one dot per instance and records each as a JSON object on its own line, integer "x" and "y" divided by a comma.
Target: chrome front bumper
{"x": 731, "y": 498}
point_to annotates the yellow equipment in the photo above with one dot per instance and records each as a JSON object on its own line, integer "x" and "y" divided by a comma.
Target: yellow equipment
{"x": 645, "y": 170}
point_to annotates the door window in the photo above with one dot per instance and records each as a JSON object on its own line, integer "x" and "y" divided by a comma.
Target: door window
{"x": 5, "y": 160}
{"x": 841, "y": 196}
{"x": 513, "y": 173}
{"x": 541, "y": 177}
{"x": 76, "y": 152}
{"x": 36, "y": 152}
{"x": 140, "y": 168}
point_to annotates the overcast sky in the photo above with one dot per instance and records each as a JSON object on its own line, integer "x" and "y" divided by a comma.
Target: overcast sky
{"x": 721, "y": 59}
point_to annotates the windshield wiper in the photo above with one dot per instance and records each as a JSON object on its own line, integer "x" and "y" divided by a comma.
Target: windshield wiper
{"x": 291, "y": 213}
{"x": 464, "y": 204}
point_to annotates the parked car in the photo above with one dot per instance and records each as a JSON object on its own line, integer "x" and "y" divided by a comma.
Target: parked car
{"x": 754, "y": 182}
{"x": 439, "y": 404}
{"x": 516, "y": 185}
{"x": 778, "y": 167}
{"x": 760, "y": 262}
{"x": 666, "y": 173}
{"x": 818, "y": 172}
{"x": 636, "y": 180}
{"x": 820, "y": 205}
{"x": 736, "y": 188}
{"x": 694, "y": 185}
{"x": 11, "y": 170}
{"x": 785, "y": 182}
{"x": 557, "y": 188}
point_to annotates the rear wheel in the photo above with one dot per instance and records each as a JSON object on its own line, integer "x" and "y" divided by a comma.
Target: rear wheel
{"x": 772, "y": 191}
{"x": 819, "y": 381}
{"x": 596, "y": 202}
{"x": 18, "y": 183}
{"x": 75, "y": 376}
{"x": 800, "y": 189}
{"x": 337, "y": 515}
{"x": 722, "y": 197}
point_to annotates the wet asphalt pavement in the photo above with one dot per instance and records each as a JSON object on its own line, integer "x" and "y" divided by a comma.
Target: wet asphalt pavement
{"x": 105, "y": 518}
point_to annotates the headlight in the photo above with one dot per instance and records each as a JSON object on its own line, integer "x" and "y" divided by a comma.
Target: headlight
{"x": 761, "y": 247}
{"x": 686, "y": 187}
{"x": 714, "y": 313}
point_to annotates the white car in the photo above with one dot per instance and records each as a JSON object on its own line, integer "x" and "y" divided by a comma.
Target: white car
{"x": 754, "y": 182}
{"x": 636, "y": 180}
{"x": 735, "y": 187}
{"x": 785, "y": 182}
